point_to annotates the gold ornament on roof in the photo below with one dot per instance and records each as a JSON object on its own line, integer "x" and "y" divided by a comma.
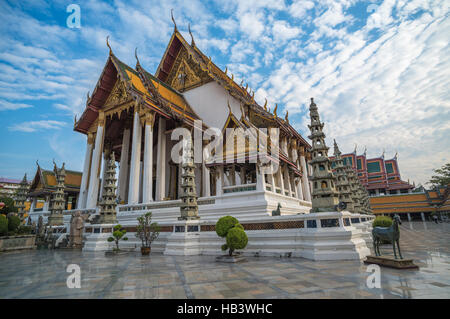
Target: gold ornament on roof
{"x": 192, "y": 37}
{"x": 107, "y": 44}
{"x": 226, "y": 70}
{"x": 173, "y": 20}
{"x": 137, "y": 59}
{"x": 275, "y": 110}
{"x": 286, "y": 118}
{"x": 265, "y": 105}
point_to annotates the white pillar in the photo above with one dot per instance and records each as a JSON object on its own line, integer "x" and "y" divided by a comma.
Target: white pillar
{"x": 46, "y": 204}
{"x": 409, "y": 217}
{"x": 233, "y": 175}
{"x": 286, "y": 173}
{"x": 105, "y": 164}
{"x": 82, "y": 195}
{"x": 33, "y": 204}
{"x": 206, "y": 181}
{"x": 147, "y": 187}
{"x": 123, "y": 171}
{"x": 135, "y": 164}
{"x": 260, "y": 178}
{"x": 280, "y": 178}
{"x": 161, "y": 161}
{"x": 219, "y": 181}
{"x": 305, "y": 182}
{"x": 423, "y": 216}
{"x": 95, "y": 168}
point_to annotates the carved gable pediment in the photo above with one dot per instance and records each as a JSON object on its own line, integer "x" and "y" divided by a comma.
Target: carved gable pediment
{"x": 118, "y": 96}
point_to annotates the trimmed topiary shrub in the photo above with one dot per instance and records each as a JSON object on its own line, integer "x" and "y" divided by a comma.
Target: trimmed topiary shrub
{"x": 3, "y": 225}
{"x": 229, "y": 228}
{"x": 13, "y": 223}
{"x": 382, "y": 221}
{"x": 224, "y": 224}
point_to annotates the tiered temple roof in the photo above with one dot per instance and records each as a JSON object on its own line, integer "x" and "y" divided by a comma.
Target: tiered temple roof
{"x": 183, "y": 67}
{"x": 44, "y": 182}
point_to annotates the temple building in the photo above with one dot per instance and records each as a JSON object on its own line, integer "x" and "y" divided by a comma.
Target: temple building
{"x": 44, "y": 184}
{"x": 133, "y": 113}
{"x": 378, "y": 175}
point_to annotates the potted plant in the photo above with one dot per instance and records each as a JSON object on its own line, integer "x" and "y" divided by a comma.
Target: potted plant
{"x": 229, "y": 228}
{"x": 118, "y": 234}
{"x": 147, "y": 232}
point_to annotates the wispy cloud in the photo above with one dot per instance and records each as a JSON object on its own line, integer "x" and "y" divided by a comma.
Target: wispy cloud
{"x": 33, "y": 126}
{"x": 8, "y": 106}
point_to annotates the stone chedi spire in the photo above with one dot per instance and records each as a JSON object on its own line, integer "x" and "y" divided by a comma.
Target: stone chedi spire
{"x": 325, "y": 197}
{"x": 189, "y": 207}
{"x": 342, "y": 183}
{"x": 109, "y": 199}
{"x": 21, "y": 197}
{"x": 58, "y": 199}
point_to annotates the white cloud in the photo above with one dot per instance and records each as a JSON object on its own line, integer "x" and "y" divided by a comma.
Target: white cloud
{"x": 8, "y": 106}
{"x": 282, "y": 31}
{"x": 33, "y": 126}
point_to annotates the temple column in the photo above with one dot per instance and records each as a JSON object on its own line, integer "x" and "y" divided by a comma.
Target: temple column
{"x": 135, "y": 163}
{"x": 288, "y": 179}
{"x": 206, "y": 181}
{"x": 161, "y": 161}
{"x": 409, "y": 217}
{"x": 219, "y": 181}
{"x": 423, "y": 216}
{"x": 95, "y": 165}
{"x": 242, "y": 175}
{"x": 298, "y": 186}
{"x": 123, "y": 171}
{"x": 46, "y": 204}
{"x": 33, "y": 204}
{"x": 82, "y": 195}
{"x": 305, "y": 182}
{"x": 233, "y": 175}
{"x": 260, "y": 178}
{"x": 280, "y": 178}
{"x": 147, "y": 187}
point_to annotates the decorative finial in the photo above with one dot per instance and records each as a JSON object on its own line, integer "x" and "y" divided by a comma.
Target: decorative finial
{"x": 137, "y": 59}
{"x": 265, "y": 105}
{"x": 229, "y": 107}
{"x": 336, "y": 149}
{"x": 226, "y": 70}
{"x": 382, "y": 155}
{"x": 396, "y": 154}
{"x": 173, "y": 20}
{"x": 242, "y": 83}
{"x": 286, "y": 118}
{"x": 88, "y": 97}
{"x": 232, "y": 77}
{"x": 107, "y": 44}
{"x": 246, "y": 86}
{"x": 365, "y": 150}
{"x": 75, "y": 120}
{"x": 275, "y": 110}
{"x": 356, "y": 146}
{"x": 37, "y": 163}
{"x": 192, "y": 37}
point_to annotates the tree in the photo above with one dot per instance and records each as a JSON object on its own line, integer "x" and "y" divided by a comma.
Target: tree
{"x": 117, "y": 235}
{"x": 442, "y": 177}
{"x": 9, "y": 206}
{"x": 147, "y": 231}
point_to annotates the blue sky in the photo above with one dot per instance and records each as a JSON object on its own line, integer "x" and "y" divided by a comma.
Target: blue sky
{"x": 379, "y": 70}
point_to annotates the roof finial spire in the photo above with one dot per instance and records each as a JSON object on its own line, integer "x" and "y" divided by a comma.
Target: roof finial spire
{"x": 275, "y": 110}
{"x": 173, "y": 20}
{"x": 137, "y": 59}
{"x": 226, "y": 70}
{"x": 107, "y": 44}
{"x": 192, "y": 37}
{"x": 356, "y": 146}
{"x": 229, "y": 107}
{"x": 382, "y": 155}
{"x": 265, "y": 105}
{"x": 286, "y": 118}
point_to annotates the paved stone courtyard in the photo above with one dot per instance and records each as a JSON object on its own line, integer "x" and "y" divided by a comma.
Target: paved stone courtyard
{"x": 42, "y": 274}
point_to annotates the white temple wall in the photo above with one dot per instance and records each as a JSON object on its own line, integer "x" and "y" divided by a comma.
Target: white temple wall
{"x": 209, "y": 101}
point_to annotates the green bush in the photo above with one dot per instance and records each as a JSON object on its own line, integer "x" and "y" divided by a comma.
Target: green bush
{"x": 382, "y": 221}
{"x": 9, "y": 205}
{"x": 13, "y": 223}
{"x": 236, "y": 238}
{"x": 224, "y": 224}
{"x": 24, "y": 230}
{"x": 3, "y": 225}
{"x": 118, "y": 234}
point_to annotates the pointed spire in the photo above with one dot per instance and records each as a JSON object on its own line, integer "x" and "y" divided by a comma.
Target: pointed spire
{"x": 356, "y": 146}
{"x": 138, "y": 64}
{"x": 107, "y": 44}
{"x": 192, "y": 37}
{"x": 286, "y": 118}
{"x": 265, "y": 105}
{"x": 382, "y": 155}
{"x": 337, "y": 152}
{"x": 275, "y": 110}
{"x": 173, "y": 20}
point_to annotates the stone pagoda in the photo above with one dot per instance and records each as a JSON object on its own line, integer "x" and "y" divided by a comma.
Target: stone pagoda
{"x": 58, "y": 198}
{"x": 325, "y": 197}
{"x": 354, "y": 186}
{"x": 109, "y": 201}
{"x": 342, "y": 183}
{"x": 21, "y": 197}
{"x": 189, "y": 207}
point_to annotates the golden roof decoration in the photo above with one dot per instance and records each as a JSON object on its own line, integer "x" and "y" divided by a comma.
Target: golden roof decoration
{"x": 173, "y": 20}
{"x": 286, "y": 118}
{"x": 265, "y": 105}
{"x": 107, "y": 44}
{"x": 275, "y": 110}
{"x": 192, "y": 37}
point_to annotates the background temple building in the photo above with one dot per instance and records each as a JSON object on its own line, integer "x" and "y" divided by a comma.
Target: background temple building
{"x": 390, "y": 195}
{"x": 44, "y": 184}
{"x": 378, "y": 175}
